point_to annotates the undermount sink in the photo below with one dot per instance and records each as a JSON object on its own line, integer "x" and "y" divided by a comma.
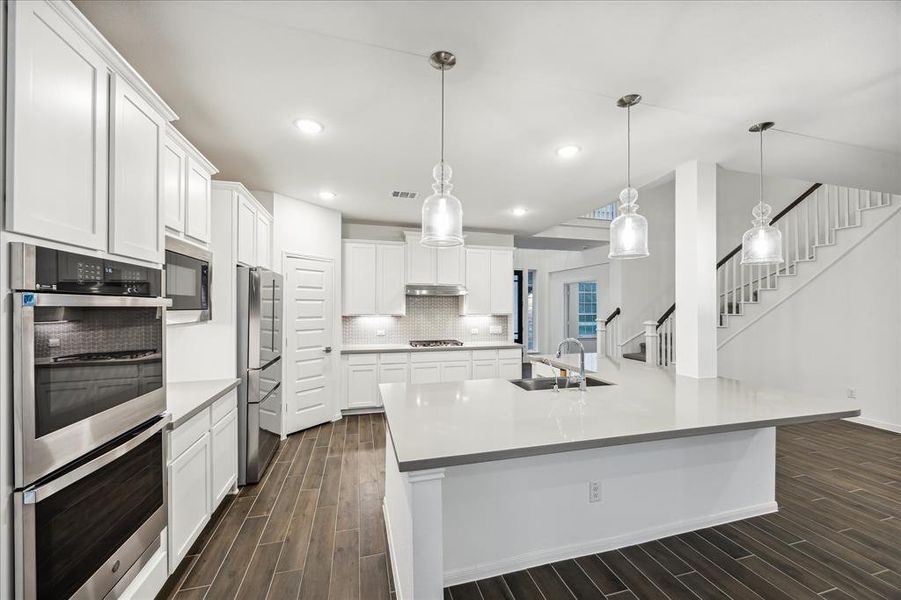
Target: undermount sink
{"x": 547, "y": 383}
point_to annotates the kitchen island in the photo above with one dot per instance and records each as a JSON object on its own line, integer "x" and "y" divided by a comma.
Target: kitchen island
{"x": 483, "y": 477}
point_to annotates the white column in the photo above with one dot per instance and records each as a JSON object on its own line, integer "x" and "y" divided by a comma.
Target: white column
{"x": 601, "y": 335}
{"x": 428, "y": 542}
{"x": 696, "y": 269}
{"x": 650, "y": 343}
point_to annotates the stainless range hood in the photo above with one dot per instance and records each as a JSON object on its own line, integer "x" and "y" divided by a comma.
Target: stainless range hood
{"x": 421, "y": 289}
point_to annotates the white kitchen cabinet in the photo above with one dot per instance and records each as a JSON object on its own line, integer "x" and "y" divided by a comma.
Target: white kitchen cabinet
{"x": 197, "y": 200}
{"x": 425, "y": 373}
{"x": 187, "y": 189}
{"x": 502, "y": 282}
{"x": 489, "y": 281}
{"x": 393, "y": 373}
{"x": 456, "y": 371}
{"x": 58, "y": 114}
{"x": 510, "y": 368}
{"x": 175, "y": 161}
{"x": 189, "y": 498}
{"x": 362, "y": 385}
{"x": 224, "y": 456}
{"x": 484, "y": 368}
{"x": 136, "y": 151}
{"x": 434, "y": 266}
{"x": 247, "y": 228}
{"x": 264, "y": 240}
{"x": 374, "y": 280}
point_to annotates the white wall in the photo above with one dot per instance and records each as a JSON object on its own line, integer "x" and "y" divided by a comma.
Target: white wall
{"x": 395, "y": 233}
{"x": 840, "y": 331}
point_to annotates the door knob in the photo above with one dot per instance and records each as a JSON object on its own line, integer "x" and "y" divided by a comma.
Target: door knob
{"x": 327, "y": 349}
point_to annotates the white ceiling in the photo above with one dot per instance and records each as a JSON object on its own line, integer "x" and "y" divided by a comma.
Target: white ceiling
{"x": 531, "y": 76}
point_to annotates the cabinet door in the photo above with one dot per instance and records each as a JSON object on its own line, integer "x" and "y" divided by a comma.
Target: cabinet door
{"x": 359, "y": 287}
{"x": 189, "y": 498}
{"x": 198, "y": 194}
{"x": 136, "y": 209}
{"x": 478, "y": 282}
{"x": 425, "y": 372}
{"x": 58, "y": 115}
{"x": 420, "y": 261}
{"x": 484, "y": 369}
{"x": 362, "y": 386}
{"x": 455, "y": 371}
{"x": 391, "y": 293}
{"x": 510, "y": 368}
{"x": 396, "y": 373}
{"x": 174, "y": 162}
{"x": 264, "y": 240}
{"x": 450, "y": 266}
{"x": 224, "y": 464}
{"x": 247, "y": 226}
{"x": 501, "y": 282}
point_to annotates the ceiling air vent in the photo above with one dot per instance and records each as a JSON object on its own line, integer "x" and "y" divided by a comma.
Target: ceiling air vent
{"x": 404, "y": 195}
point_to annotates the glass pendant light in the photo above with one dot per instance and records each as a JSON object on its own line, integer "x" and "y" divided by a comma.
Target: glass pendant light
{"x": 629, "y": 230}
{"x": 762, "y": 243}
{"x": 442, "y": 213}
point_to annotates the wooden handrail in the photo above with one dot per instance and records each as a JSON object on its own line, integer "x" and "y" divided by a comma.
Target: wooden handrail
{"x": 612, "y": 316}
{"x": 666, "y": 315}
{"x": 781, "y": 214}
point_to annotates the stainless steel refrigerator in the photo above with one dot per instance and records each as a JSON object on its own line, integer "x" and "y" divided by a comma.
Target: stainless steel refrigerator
{"x": 260, "y": 369}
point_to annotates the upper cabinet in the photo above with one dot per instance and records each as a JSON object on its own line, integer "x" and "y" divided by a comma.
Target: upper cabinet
{"x": 434, "y": 266}
{"x": 264, "y": 239}
{"x": 249, "y": 222}
{"x": 187, "y": 181}
{"x": 85, "y": 138}
{"x": 489, "y": 281}
{"x": 373, "y": 278}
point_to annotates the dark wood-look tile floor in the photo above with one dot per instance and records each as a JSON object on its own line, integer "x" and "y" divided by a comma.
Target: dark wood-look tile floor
{"x": 313, "y": 529}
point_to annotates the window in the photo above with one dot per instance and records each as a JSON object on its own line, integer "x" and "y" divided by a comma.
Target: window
{"x": 530, "y": 312}
{"x": 588, "y": 308}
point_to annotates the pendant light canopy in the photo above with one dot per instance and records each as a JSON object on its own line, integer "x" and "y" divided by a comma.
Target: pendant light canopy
{"x": 442, "y": 213}
{"x": 629, "y": 230}
{"x": 762, "y": 244}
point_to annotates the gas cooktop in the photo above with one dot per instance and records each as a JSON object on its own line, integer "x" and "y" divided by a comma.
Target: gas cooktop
{"x": 434, "y": 343}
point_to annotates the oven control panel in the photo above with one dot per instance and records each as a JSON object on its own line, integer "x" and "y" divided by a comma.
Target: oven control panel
{"x": 60, "y": 271}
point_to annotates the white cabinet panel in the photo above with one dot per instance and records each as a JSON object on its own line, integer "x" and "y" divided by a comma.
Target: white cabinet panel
{"x": 189, "y": 498}
{"x": 359, "y": 278}
{"x": 425, "y": 372}
{"x": 420, "y": 261}
{"x": 478, "y": 281}
{"x": 510, "y": 368}
{"x": 362, "y": 386}
{"x": 501, "y": 282}
{"x": 264, "y": 240}
{"x": 224, "y": 469}
{"x": 450, "y": 266}
{"x": 391, "y": 297}
{"x": 484, "y": 369}
{"x": 174, "y": 179}
{"x": 247, "y": 225}
{"x": 198, "y": 195}
{"x": 135, "y": 205}
{"x": 57, "y": 121}
{"x": 455, "y": 371}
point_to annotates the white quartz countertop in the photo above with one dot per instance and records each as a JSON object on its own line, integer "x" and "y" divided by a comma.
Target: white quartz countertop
{"x": 185, "y": 399}
{"x": 447, "y": 424}
{"x": 372, "y": 348}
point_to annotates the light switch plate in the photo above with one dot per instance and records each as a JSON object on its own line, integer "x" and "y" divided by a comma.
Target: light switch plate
{"x": 495, "y": 329}
{"x": 53, "y": 342}
{"x": 474, "y": 331}
{"x": 380, "y": 332}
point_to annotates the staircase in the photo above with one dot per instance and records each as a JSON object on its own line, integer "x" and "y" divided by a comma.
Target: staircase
{"x": 821, "y": 226}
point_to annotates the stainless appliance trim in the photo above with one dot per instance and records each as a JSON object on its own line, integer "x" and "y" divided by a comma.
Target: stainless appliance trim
{"x": 34, "y": 495}
{"x": 191, "y": 251}
{"x": 188, "y": 249}
{"x": 85, "y": 300}
{"x": 35, "y": 458}
{"x": 436, "y": 290}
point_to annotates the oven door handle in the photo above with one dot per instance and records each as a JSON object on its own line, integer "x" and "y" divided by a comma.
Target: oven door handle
{"x": 42, "y": 492}
{"x": 86, "y": 300}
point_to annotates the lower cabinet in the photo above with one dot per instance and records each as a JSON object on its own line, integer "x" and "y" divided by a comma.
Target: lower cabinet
{"x": 202, "y": 470}
{"x": 362, "y": 382}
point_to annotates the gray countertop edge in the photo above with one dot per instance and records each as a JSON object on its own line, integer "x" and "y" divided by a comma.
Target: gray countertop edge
{"x": 495, "y": 455}
{"x": 202, "y": 405}
{"x": 498, "y": 346}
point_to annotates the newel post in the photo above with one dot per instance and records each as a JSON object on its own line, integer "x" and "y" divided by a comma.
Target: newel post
{"x": 602, "y": 337}
{"x": 650, "y": 342}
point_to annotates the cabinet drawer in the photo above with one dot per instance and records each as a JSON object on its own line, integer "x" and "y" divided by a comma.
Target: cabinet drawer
{"x": 182, "y": 437}
{"x": 393, "y": 358}
{"x": 510, "y": 353}
{"x": 362, "y": 359}
{"x": 439, "y": 356}
{"x": 484, "y": 354}
{"x": 223, "y": 406}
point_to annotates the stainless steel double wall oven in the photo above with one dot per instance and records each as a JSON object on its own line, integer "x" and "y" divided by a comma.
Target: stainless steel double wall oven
{"x": 89, "y": 403}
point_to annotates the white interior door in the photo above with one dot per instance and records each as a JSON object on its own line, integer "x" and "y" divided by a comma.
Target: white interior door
{"x": 309, "y": 300}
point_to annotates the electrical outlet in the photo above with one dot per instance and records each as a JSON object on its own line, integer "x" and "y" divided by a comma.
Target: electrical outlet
{"x": 380, "y": 332}
{"x": 474, "y": 331}
{"x": 594, "y": 491}
{"x": 53, "y": 342}
{"x": 852, "y": 393}
{"x": 495, "y": 329}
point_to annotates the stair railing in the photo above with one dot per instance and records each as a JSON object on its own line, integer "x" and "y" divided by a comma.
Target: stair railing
{"x": 665, "y": 329}
{"x": 608, "y": 334}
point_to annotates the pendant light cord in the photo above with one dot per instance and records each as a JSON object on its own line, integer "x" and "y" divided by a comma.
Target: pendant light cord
{"x": 442, "y": 130}
{"x": 760, "y": 202}
{"x": 629, "y": 146}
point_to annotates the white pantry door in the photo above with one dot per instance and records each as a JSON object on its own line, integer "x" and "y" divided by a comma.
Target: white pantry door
{"x": 310, "y": 301}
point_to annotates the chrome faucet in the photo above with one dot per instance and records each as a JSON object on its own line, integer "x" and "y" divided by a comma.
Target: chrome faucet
{"x": 580, "y": 378}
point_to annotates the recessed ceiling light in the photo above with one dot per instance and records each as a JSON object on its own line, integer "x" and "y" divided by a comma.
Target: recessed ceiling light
{"x": 568, "y": 151}
{"x": 519, "y": 211}
{"x": 326, "y": 195}
{"x": 309, "y": 126}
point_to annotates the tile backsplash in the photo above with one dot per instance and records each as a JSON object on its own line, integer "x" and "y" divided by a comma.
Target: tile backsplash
{"x": 62, "y": 332}
{"x": 426, "y": 318}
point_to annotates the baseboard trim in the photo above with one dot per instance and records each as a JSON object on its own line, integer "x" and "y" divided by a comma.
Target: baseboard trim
{"x": 390, "y": 557}
{"x": 893, "y": 427}
{"x": 541, "y": 557}
{"x": 362, "y": 411}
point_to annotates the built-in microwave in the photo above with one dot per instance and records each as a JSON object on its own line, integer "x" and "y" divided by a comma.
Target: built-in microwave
{"x": 188, "y": 278}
